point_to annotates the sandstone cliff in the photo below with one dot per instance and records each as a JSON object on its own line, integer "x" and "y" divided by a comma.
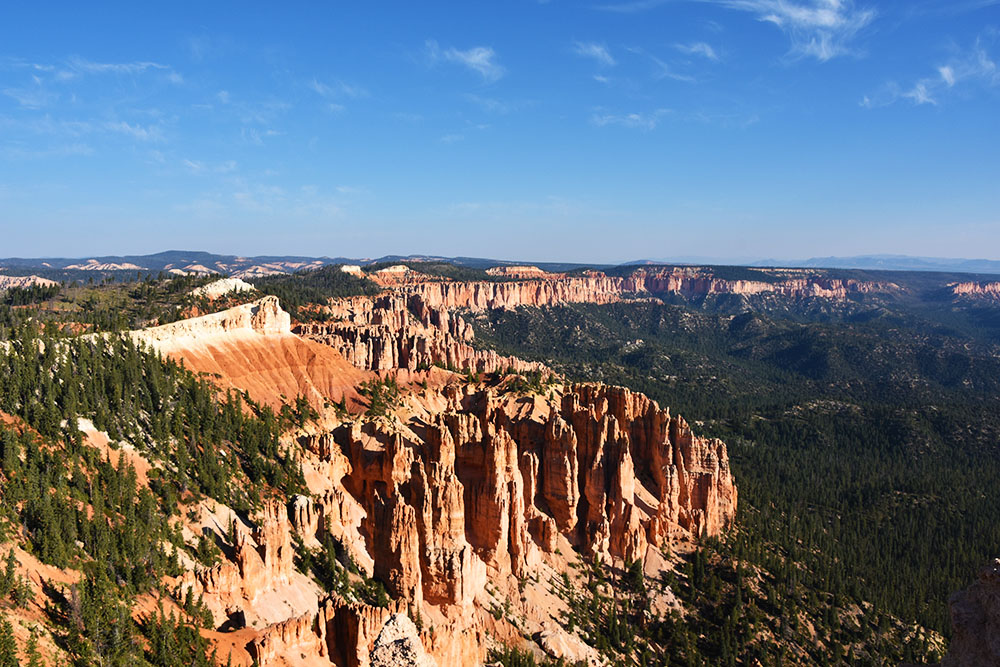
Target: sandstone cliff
{"x": 596, "y": 287}
{"x": 496, "y": 479}
{"x": 977, "y": 289}
{"x": 464, "y": 499}
{"x": 402, "y": 332}
{"x": 251, "y": 348}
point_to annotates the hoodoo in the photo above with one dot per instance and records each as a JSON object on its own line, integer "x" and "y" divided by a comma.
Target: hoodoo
{"x": 458, "y": 492}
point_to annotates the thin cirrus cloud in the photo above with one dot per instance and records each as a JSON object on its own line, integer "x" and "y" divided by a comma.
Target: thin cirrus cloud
{"x": 640, "y": 121}
{"x": 661, "y": 68}
{"x": 46, "y": 80}
{"x": 698, "y": 49}
{"x": 479, "y": 59}
{"x": 337, "y": 89}
{"x": 821, "y": 29}
{"x": 77, "y": 65}
{"x": 598, "y": 52}
{"x": 136, "y": 131}
{"x": 976, "y": 67}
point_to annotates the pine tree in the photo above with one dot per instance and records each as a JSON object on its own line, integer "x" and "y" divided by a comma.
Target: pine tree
{"x": 8, "y": 648}
{"x": 31, "y": 650}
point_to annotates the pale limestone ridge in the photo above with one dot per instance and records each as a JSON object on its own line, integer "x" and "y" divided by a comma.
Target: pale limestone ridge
{"x": 222, "y": 287}
{"x": 6, "y": 282}
{"x": 263, "y": 317}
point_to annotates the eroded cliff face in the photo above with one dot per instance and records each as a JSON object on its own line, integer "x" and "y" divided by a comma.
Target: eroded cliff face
{"x": 468, "y": 496}
{"x": 977, "y": 289}
{"x": 251, "y": 348}
{"x": 461, "y": 487}
{"x": 397, "y": 331}
{"x": 595, "y": 287}
{"x": 508, "y": 475}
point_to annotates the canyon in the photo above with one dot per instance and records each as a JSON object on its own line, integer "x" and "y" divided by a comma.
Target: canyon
{"x": 460, "y": 495}
{"x": 468, "y": 496}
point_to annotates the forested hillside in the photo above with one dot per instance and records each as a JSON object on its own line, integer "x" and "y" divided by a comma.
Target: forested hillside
{"x": 66, "y": 503}
{"x": 865, "y": 448}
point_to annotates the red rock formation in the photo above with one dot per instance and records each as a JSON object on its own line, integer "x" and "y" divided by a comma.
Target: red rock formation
{"x": 500, "y": 477}
{"x": 465, "y": 484}
{"x": 595, "y": 287}
{"x": 262, "y": 561}
{"x": 395, "y": 332}
{"x": 299, "y": 635}
{"x": 251, "y": 348}
{"x": 974, "y": 289}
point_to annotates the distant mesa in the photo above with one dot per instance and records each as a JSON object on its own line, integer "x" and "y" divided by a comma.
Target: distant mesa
{"x": 94, "y": 265}
{"x": 524, "y": 271}
{"x": 270, "y": 268}
{"x": 189, "y": 270}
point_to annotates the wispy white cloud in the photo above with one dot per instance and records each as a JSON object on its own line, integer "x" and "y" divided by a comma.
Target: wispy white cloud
{"x": 200, "y": 167}
{"x": 92, "y": 67}
{"x": 240, "y": 196}
{"x": 661, "y": 68}
{"x": 642, "y": 121}
{"x": 665, "y": 71}
{"x": 35, "y": 97}
{"x": 947, "y": 74}
{"x": 821, "y": 29}
{"x": 77, "y": 65}
{"x": 479, "y": 59}
{"x": 698, "y": 49}
{"x": 947, "y": 7}
{"x": 47, "y": 82}
{"x": 974, "y": 67}
{"x": 598, "y": 52}
{"x": 136, "y": 131}
{"x": 19, "y": 152}
{"x": 255, "y": 136}
{"x": 337, "y": 89}
{"x": 493, "y": 105}
{"x": 452, "y": 138}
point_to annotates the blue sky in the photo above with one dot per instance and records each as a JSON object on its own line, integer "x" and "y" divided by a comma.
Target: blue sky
{"x": 589, "y": 131}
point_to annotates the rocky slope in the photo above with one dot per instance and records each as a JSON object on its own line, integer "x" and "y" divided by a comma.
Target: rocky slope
{"x": 465, "y": 499}
{"x": 397, "y": 331}
{"x": 251, "y": 348}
